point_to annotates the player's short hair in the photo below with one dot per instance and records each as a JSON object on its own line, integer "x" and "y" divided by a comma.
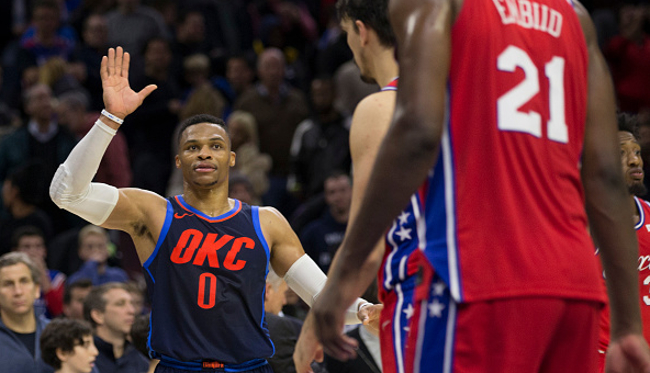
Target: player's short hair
{"x": 200, "y": 118}
{"x": 373, "y": 13}
{"x": 62, "y": 334}
{"x": 96, "y": 301}
{"x": 83, "y": 283}
{"x": 16, "y": 257}
{"x": 628, "y": 123}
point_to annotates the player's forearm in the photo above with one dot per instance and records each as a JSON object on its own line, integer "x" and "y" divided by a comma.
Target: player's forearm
{"x": 611, "y": 224}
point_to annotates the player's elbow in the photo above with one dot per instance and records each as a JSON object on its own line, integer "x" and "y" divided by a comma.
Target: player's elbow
{"x": 421, "y": 129}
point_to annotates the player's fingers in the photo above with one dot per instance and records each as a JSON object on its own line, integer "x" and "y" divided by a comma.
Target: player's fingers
{"x": 111, "y": 61}
{"x": 119, "y": 52}
{"x": 341, "y": 347}
{"x": 103, "y": 70}
{"x": 146, "y": 91}
{"x": 126, "y": 62}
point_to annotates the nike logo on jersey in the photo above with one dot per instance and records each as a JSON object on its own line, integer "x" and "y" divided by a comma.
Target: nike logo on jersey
{"x": 177, "y": 216}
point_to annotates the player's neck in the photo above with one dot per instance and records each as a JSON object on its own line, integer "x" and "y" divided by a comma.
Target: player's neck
{"x": 385, "y": 67}
{"x": 212, "y": 202}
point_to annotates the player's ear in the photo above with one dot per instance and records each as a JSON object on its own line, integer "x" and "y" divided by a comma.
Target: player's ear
{"x": 233, "y": 156}
{"x": 363, "y": 32}
{"x": 177, "y": 161}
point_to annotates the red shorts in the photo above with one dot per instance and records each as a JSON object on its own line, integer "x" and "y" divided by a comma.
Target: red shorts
{"x": 523, "y": 335}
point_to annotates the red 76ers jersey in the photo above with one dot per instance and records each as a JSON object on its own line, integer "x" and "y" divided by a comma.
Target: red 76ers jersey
{"x": 643, "y": 236}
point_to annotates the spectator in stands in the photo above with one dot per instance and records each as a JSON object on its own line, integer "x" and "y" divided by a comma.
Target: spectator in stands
{"x": 74, "y": 295}
{"x": 321, "y": 142}
{"x": 31, "y": 241}
{"x": 67, "y": 346}
{"x": 87, "y": 58}
{"x": 42, "y": 140}
{"x": 137, "y": 296}
{"x": 628, "y": 55}
{"x": 249, "y": 162}
{"x": 93, "y": 250}
{"x": 132, "y": 25}
{"x": 47, "y": 37}
{"x": 322, "y": 237}
{"x": 109, "y": 310}
{"x": 21, "y": 194}
{"x": 150, "y": 129}
{"x": 241, "y": 188}
{"x": 20, "y": 328}
{"x": 283, "y": 330}
{"x": 190, "y": 37}
{"x": 350, "y": 89}
{"x": 140, "y": 336}
{"x": 115, "y": 168}
{"x": 278, "y": 109}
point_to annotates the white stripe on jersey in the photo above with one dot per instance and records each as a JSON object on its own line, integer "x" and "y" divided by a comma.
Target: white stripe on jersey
{"x": 422, "y": 324}
{"x": 449, "y": 338}
{"x": 388, "y": 268}
{"x": 397, "y": 329}
{"x": 454, "y": 280}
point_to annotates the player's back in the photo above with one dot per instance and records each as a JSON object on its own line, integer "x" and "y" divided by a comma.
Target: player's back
{"x": 512, "y": 221}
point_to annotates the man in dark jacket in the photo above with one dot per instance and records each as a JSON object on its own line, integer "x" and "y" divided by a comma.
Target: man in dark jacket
{"x": 20, "y": 328}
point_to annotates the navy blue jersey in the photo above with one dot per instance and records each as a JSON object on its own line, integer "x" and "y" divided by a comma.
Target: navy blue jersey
{"x": 206, "y": 281}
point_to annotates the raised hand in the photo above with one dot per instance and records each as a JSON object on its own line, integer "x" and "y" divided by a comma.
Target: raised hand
{"x": 119, "y": 99}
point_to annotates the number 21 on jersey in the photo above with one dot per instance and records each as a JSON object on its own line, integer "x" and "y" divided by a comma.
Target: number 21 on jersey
{"x": 510, "y": 118}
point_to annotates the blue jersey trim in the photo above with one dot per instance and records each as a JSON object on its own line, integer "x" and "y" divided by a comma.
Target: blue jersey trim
{"x": 161, "y": 238}
{"x": 255, "y": 214}
{"x": 641, "y": 214}
{"x": 215, "y": 219}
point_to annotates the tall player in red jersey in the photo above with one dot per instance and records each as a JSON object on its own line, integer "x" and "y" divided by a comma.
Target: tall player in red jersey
{"x": 504, "y": 125}
{"x": 632, "y": 164}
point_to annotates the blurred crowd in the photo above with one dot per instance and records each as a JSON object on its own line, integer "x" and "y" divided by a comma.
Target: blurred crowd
{"x": 278, "y": 71}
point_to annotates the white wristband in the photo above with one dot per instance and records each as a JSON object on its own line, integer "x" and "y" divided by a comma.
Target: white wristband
{"x": 112, "y": 117}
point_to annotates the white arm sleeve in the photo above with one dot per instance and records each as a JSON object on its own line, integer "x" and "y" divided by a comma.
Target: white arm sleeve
{"x": 71, "y": 188}
{"x": 307, "y": 280}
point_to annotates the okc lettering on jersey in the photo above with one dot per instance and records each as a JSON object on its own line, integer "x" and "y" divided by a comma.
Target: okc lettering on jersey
{"x": 531, "y": 15}
{"x": 193, "y": 242}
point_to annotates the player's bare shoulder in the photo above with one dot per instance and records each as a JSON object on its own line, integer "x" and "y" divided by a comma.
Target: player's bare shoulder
{"x": 371, "y": 120}
{"x": 274, "y": 225}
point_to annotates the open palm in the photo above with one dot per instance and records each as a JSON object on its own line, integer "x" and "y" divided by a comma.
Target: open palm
{"x": 119, "y": 98}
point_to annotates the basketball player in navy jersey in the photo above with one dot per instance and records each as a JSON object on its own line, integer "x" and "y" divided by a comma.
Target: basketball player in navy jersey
{"x": 205, "y": 256}
{"x": 431, "y": 120}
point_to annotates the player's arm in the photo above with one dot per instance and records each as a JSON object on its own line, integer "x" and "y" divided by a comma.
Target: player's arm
{"x": 609, "y": 211}
{"x": 289, "y": 261}
{"x": 72, "y": 189}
